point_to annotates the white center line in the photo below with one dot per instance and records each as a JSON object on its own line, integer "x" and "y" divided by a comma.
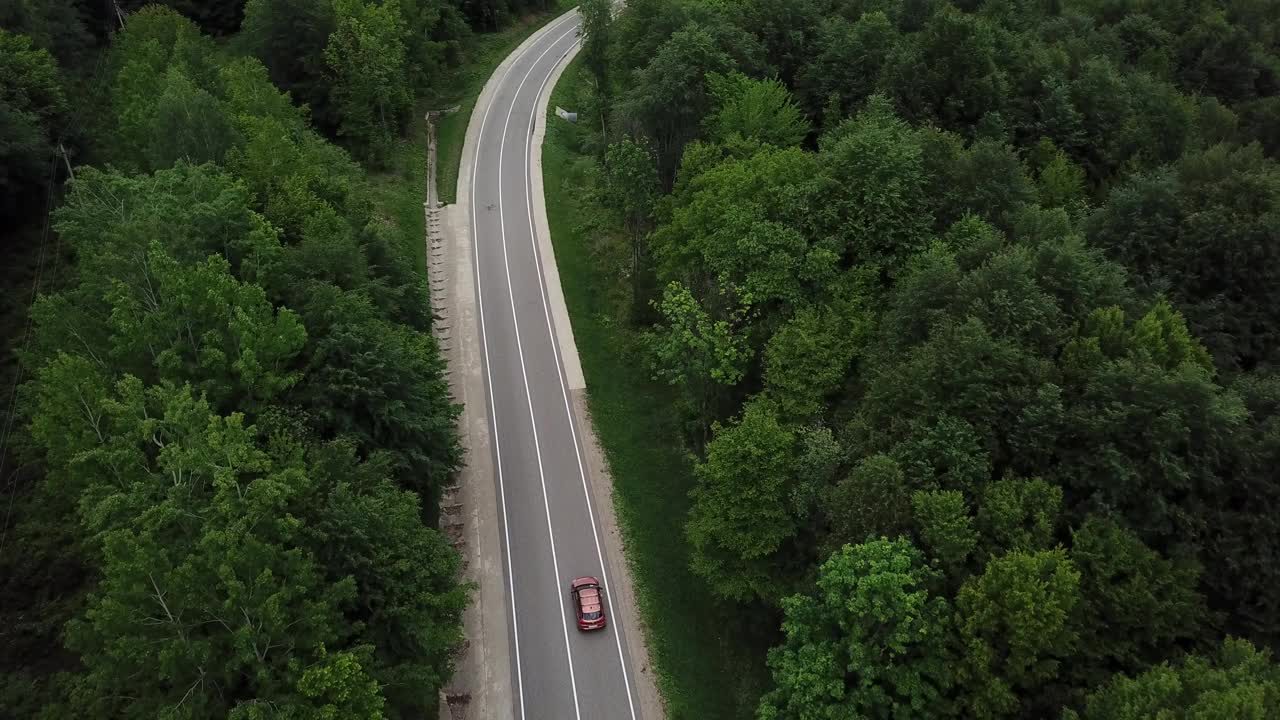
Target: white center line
{"x": 565, "y": 393}
{"x": 484, "y": 338}
{"x": 537, "y": 447}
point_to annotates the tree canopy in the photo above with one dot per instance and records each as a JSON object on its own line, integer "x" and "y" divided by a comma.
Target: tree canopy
{"x": 1013, "y": 260}
{"x": 234, "y": 426}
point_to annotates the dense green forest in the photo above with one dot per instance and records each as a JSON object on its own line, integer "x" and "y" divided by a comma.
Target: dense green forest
{"x": 971, "y": 309}
{"x": 229, "y": 425}
{"x": 969, "y": 305}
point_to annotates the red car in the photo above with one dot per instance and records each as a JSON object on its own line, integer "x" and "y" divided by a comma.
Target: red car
{"x": 588, "y": 603}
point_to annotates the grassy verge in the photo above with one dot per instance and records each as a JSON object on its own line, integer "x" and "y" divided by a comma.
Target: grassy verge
{"x": 704, "y": 668}
{"x": 468, "y": 80}
{"x": 400, "y": 190}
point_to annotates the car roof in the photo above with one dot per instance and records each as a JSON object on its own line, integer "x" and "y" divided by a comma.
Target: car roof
{"x": 589, "y": 598}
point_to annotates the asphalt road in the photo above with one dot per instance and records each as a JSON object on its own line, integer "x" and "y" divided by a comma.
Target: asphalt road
{"x": 549, "y": 525}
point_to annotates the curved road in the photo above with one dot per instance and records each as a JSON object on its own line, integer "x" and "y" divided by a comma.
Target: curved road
{"x": 548, "y": 517}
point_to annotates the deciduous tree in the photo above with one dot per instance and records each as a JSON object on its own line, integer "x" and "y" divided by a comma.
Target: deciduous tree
{"x": 1016, "y": 626}
{"x": 742, "y": 520}
{"x": 205, "y": 601}
{"x": 289, "y": 37}
{"x": 1238, "y": 680}
{"x": 1138, "y": 607}
{"x": 367, "y": 59}
{"x": 597, "y": 27}
{"x": 809, "y": 357}
{"x": 698, "y": 355}
{"x": 879, "y": 196}
{"x": 1197, "y": 231}
{"x": 668, "y": 98}
{"x": 1019, "y": 514}
{"x": 848, "y": 61}
{"x": 944, "y": 527}
{"x": 631, "y": 188}
{"x": 753, "y": 111}
{"x": 875, "y": 499}
{"x": 868, "y": 643}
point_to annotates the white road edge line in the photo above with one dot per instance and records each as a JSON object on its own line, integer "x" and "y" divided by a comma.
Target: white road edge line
{"x": 533, "y": 421}
{"x": 497, "y": 446}
{"x": 533, "y": 240}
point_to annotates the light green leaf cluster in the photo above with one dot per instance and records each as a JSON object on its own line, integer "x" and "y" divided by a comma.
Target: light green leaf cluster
{"x": 367, "y": 57}
{"x": 869, "y": 643}
{"x": 741, "y": 515}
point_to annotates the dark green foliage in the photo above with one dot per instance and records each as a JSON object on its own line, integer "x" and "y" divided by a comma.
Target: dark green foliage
{"x": 597, "y": 26}
{"x": 1216, "y": 57}
{"x": 1261, "y": 121}
{"x": 849, "y": 59}
{"x": 1138, "y": 607}
{"x": 289, "y": 37}
{"x": 356, "y": 64}
{"x": 409, "y": 600}
{"x": 878, "y": 201}
{"x": 1203, "y": 232}
{"x": 58, "y": 26}
{"x": 874, "y": 498}
{"x": 808, "y": 358}
{"x": 437, "y": 36}
{"x": 219, "y": 18}
{"x": 489, "y": 15}
{"x": 239, "y": 610}
{"x": 1016, "y": 514}
{"x": 1242, "y": 526}
{"x": 366, "y": 63}
{"x": 33, "y": 112}
{"x": 753, "y": 112}
{"x": 1025, "y": 279}
{"x": 161, "y": 69}
{"x": 785, "y": 29}
{"x": 985, "y": 177}
{"x": 669, "y": 96}
{"x": 239, "y": 413}
{"x": 948, "y": 72}
{"x": 1015, "y": 626}
{"x": 945, "y": 528}
{"x": 640, "y": 31}
{"x": 380, "y": 383}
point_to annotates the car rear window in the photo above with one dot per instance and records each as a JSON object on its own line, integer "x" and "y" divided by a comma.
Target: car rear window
{"x": 591, "y": 616}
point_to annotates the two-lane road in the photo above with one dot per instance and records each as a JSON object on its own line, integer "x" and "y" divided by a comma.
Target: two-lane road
{"x": 548, "y": 516}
